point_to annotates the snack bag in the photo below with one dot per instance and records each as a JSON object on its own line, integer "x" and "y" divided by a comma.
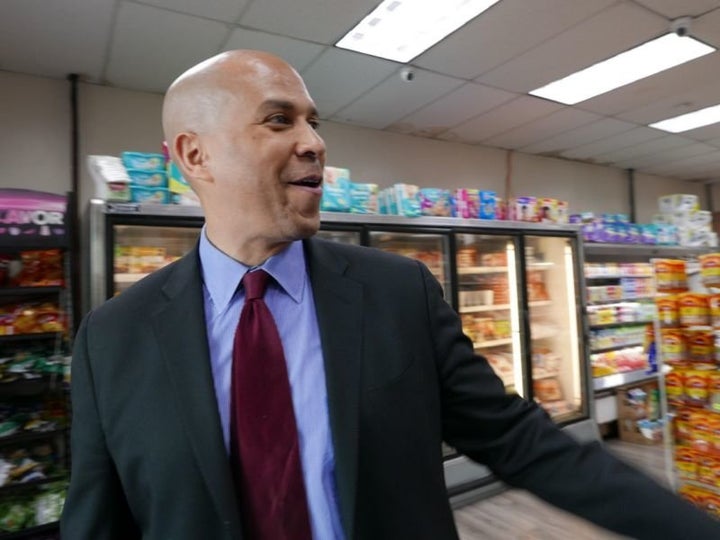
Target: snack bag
{"x": 336, "y": 190}
{"x": 710, "y": 269}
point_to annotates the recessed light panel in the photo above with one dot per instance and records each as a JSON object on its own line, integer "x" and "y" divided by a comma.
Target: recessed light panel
{"x": 647, "y": 59}
{"x": 400, "y": 30}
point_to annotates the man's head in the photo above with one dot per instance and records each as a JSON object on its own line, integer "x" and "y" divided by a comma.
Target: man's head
{"x": 241, "y": 128}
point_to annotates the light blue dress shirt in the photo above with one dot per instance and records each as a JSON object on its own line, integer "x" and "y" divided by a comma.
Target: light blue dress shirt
{"x": 291, "y": 302}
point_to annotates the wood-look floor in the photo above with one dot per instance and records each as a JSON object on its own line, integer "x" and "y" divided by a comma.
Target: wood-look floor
{"x": 517, "y": 515}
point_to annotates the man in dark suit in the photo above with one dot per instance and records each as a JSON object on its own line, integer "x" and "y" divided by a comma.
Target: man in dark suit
{"x": 379, "y": 370}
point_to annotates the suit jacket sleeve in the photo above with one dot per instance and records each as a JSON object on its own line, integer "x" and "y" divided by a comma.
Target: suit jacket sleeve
{"x": 523, "y": 447}
{"x": 95, "y": 507}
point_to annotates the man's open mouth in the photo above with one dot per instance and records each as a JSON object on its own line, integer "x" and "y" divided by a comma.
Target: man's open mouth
{"x": 308, "y": 181}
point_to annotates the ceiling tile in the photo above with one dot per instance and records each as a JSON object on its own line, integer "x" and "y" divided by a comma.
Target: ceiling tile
{"x": 692, "y": 164}
{"x": 150, "y": 46}
{"x": 55, "y": 39}
{"x": 394, "y": 98}
{"x": 517, "y": 112}
{"x": 661, "y": 88}
{"x": 321, "y": 21}
{"x": 339, "y": 77}
{"x": 607, "y": 127}
{"x": 705, "y": 134}
{"x": 674, "y": 9}
{"x": 221, "y": 10}
{"x": 674, "y": 154}
{"x": 485, "y": 42}
{"x": 578, "y": 47}
{"x": 707, "y": 27}
{"x": 297, "y": 53}
{"x": 692, "y": 98}
{"x": 623, "y": 141}
{"x": 631, "y": 152}
{"x": 468, "y": 101}
{"x": 558, "y": 122}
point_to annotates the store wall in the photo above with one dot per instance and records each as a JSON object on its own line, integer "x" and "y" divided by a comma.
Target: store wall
{"x": 112, "y": 121}
{"x": 35, "y": 112}
{"x": 35, "y": 122}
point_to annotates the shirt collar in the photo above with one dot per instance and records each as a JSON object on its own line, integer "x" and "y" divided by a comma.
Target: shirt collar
{"x": 222, "y": 274}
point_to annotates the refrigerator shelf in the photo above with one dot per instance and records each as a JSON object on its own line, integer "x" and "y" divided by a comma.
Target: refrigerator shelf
{"x": 490, "y": 307}
{"x": 619, "y": 324}
{"x": 492, "y": 343}
{"x": 127, "y": 278}
{"x": 473, "y": 270}
{"x": 621, "y": 379}
{"x": 609, "y": 303}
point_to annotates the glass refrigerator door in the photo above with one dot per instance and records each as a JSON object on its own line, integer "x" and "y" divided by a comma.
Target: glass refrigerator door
{"x": 429, "y": 248}
{"x": 558, "y": 374}
{"x": 342, "y": 236}
{"x": 489, "y": 305}
{"x": 138, "y": 250}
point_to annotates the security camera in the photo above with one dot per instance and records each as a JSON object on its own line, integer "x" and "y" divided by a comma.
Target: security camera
{"x": 681, "y": 26}
{"x": 407, "y": 74}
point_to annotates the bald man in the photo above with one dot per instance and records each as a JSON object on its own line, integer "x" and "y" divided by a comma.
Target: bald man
{"x": 376, "y": 363}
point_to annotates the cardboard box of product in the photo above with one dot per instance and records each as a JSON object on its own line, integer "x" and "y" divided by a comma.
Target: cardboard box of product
{"x": 635, "y": 404}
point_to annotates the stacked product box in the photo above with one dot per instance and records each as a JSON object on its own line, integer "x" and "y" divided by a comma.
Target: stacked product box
{"x": 538, "y": 210}
{"x": 617, "y": 229}
{"x": 681, "y": 213}
{"x": 340, "y": 194}
{"x": 148, "y": 177}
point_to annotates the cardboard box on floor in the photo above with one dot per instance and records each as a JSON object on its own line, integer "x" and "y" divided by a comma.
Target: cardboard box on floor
{"x": 630, "y": 411}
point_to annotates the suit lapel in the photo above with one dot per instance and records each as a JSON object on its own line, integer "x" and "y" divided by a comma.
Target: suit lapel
{"x": 338, "y": 302}
{"x": 181, "y": 332}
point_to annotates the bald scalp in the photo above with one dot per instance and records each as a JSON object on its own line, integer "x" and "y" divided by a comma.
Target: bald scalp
{"x": 196, "y": 100}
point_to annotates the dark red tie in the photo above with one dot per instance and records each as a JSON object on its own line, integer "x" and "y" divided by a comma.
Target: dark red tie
{"x": 263, "y": 434}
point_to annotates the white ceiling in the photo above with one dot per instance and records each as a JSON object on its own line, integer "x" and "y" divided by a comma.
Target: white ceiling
{"x": 471, "y": 87}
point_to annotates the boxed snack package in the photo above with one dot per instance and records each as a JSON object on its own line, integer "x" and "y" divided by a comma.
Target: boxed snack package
{"x": 145, "y": 178}
{"x": 547, "y": 210}
{"x": 488, "y": 205}
{"x": 110, "y": 177}
{"x": 466, "y": 203}
{"x": 143, "y": 161}
{"x": 180, "y": 190}
{"x": 406, "y": 197}
{"x": 363, "y": 198}
{"x": 524, "y": 209}
{"x": 336, "y": 190}
{"x": 669, "y": 204}
{"x": 435, "y": 202}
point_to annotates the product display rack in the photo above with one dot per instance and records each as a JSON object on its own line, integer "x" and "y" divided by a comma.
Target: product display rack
{"x": 34, "y": 399}
{"x": 626, "y": 334}
{"x": 690, "y": 387}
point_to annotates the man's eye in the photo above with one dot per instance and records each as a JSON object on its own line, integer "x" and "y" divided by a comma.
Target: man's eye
{"x": 279, "y": 119}
{"x": 315, "y": 124}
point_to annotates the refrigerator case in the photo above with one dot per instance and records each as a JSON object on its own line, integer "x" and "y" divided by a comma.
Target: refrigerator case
{"x": 518, "y": 290}
{"x": 515, "y": 285}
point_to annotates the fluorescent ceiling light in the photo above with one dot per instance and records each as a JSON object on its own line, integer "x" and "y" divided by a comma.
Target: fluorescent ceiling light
{"x": 684, "y": 122}
{"x": 402, "y": 29}
{"x": 649, "y": 58}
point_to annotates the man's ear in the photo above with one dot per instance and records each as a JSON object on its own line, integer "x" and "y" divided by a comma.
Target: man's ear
{"x": 190, "y": 156}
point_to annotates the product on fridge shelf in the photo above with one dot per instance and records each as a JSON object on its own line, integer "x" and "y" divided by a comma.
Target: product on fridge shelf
{"x": 524, "y": 209}
{"x": 435, "y": 202}
{"x": 406, "y": 198}
{"x": 488, "y": 205}
{"x": 143, "y": 161}
{"x": 336, "y": 190}
{"x": 149, "y": 195}
{"x": 363, "y": 198}
{"x": 180, "y": 190}
{"x": 110, "y": 178}
{"x": 466, "y": 203}
{"x": 670, "y": 275}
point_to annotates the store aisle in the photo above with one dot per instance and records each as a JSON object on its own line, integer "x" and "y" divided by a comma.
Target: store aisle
{"x": 516, "y": 515}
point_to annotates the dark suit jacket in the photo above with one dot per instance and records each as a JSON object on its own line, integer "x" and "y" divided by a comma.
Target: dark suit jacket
{"x": 148, "y": 454}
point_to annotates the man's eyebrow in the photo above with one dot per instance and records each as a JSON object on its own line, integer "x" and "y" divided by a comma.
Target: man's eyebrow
{"x": 283, "y": 105}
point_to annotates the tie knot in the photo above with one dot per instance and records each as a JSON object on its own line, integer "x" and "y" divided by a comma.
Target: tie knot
{"x": 255, "y": 284}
